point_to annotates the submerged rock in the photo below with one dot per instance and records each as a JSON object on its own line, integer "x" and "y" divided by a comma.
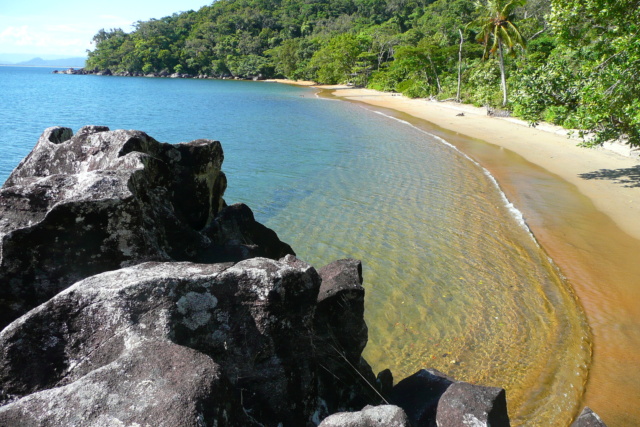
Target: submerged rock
{"x": 588, "y": 418}
{"x": 100, "y": 200}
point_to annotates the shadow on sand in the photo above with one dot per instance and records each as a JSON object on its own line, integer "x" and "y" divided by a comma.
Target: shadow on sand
{"x": 628, "y": 177}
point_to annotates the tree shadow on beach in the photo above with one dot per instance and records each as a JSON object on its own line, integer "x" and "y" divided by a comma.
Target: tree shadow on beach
{"x": 628, "y": 177}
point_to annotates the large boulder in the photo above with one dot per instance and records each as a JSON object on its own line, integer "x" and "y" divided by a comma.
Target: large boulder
{"x": 419, "y": 395}
{"x": 100, "y": 200}
{"x": 431, "y": 398}
{"x": 168, "y": 344}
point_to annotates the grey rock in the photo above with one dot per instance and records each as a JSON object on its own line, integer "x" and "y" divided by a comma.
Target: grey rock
{"x": 419, "y": 395}
{"x": 167, "y": 344}
{"x": 346, "y": 382}
{"x": 384, "y": 381}
{"x": 101, "y": 200}
{"x": 340, "y": 308}
{"x": 370, "y": 416}
{"x": 588, "y": 418}
{"x": 464, "y": 404}
{"x": 154, "y": 383}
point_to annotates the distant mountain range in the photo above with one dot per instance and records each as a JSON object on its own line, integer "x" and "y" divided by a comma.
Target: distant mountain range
{"x": 62, "y": 63}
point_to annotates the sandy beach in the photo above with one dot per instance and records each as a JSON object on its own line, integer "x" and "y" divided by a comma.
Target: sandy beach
{"x": 581, "y": 204}
{"x": 610, "y": 179}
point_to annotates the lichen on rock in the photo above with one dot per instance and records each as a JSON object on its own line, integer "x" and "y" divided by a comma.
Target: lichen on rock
{"x": 101, "y": 200}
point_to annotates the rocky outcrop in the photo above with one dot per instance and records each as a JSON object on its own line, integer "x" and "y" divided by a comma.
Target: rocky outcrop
{"x": 189, "y": 341}
{"x": 163, "y": 73}
{"x": 100, "y": 200}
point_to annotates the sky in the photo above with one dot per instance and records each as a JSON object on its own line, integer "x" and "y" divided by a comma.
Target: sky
{"x": 64, "y": 29}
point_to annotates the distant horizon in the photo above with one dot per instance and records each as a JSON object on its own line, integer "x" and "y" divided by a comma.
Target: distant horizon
{"x": 15, "y": 58}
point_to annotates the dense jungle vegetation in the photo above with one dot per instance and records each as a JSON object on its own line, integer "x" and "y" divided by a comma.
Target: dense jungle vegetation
{"x": 575, "y": 63}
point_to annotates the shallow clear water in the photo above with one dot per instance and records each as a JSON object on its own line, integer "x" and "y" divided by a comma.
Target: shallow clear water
{"x": 453, "y": 279}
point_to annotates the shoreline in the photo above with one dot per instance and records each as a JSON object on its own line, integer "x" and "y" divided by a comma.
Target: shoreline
{"x": 607, "y": 175}
{"x": 582, "y": 206}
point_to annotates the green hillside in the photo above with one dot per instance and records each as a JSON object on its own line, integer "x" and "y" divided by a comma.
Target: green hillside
{"x": 572, "y": 63}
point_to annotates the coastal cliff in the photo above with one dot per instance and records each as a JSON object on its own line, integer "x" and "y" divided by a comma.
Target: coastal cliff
{"x": 130, "y": 292}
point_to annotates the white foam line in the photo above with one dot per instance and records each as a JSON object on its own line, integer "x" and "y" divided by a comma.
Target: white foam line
{"x": 515, "y": 212}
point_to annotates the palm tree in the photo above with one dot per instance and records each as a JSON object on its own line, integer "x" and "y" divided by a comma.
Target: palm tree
{"x": 495, "y": 22}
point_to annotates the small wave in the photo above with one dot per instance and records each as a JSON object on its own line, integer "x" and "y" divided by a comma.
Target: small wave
{"x": 515, "y": 212}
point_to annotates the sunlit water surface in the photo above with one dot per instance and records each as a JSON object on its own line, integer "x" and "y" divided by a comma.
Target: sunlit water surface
{"x": 454, "y": 280}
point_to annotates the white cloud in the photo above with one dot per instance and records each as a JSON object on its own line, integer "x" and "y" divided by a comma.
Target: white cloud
{"x": 112, "y": 21}
{"x": 39, "y": 35}
{"x": 50, "y": 39}
{"x": 18, "y": 36}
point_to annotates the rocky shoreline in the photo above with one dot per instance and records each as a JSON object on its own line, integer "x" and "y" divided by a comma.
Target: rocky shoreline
{"x": 164, "y": 74}
{"x": 130, "y": 292}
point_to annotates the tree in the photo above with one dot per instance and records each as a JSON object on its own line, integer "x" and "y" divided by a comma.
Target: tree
{"x": 495, "y": 22}
{"x": 606, "y": 36}
{"x": 334, "y": 63}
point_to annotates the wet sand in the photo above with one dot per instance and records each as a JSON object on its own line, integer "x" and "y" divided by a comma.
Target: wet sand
{"x": 583, "y": 207}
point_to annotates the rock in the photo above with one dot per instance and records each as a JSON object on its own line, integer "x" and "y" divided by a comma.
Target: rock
{"x": 236, "y": 235}
{"x": 370, "y": 416}
{"x": 341, "y": 307}
{"x": 190, "y": 344}
{"x": 384, "y": 381}
{"x": 588, "y": 418}
{"x": 346, "y": 382}
{"x": 419, "y": 395}
{"x": 464, "y": 404}
{"x": 153, "y": 384}
{"x": 431, "y": 398}
{"x": 112, "y": 199}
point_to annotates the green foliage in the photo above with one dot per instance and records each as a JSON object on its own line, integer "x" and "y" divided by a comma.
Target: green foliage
{"x": 334, "y": 63}
{"x": 580, "y": 68}
{"x": 483, "y": 83}
{"x": 606, "y": 34}
{"x": 497, "y": 30}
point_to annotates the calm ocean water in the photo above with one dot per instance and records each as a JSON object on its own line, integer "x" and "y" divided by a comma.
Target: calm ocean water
{"x": 453, "y": 280}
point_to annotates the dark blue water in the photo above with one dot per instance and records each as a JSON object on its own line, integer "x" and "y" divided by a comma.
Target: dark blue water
{"x": 453, "y": 280}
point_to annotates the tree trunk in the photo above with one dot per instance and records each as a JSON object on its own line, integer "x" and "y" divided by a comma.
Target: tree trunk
{"x": 502, "y": 75}
{"x": 435, "y": 73}
{"x": 459, "y": 66}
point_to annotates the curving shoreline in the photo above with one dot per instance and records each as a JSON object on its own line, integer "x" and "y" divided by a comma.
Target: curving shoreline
{"x": 597, "y": 173}
{"x": 581, "y": 204}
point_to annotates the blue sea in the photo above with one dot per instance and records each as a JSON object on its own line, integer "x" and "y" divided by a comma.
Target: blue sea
{"x": 454, "y": 280}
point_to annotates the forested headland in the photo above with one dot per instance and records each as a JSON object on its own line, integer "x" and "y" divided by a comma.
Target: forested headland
{"x": 575, "y": 63}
